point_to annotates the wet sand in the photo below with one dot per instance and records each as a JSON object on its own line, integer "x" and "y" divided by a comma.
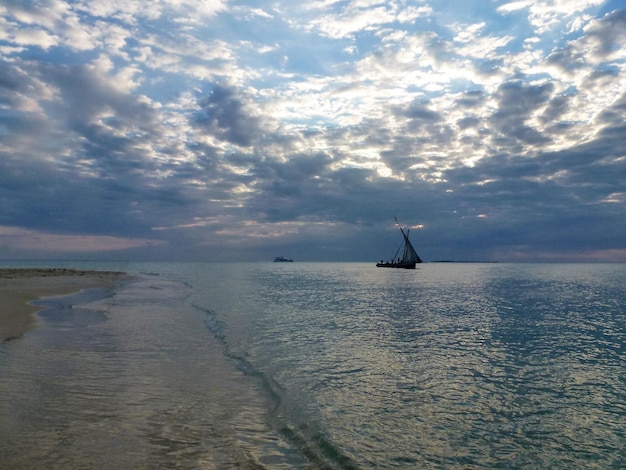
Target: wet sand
{"x": 18, "y": 286}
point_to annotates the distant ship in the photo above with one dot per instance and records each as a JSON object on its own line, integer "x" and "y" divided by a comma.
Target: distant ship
{"x": 409, "y": 256}
{"x": 282, "y": 259}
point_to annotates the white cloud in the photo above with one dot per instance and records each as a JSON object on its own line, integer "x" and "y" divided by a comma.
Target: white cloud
{"x": 361, "y": 17}
{"x": 513, "y": 6}
{"x": 484, "y": 47}
{"x": 34, "y": 37}
{"x": 328, "y": 99}
{"x": 204, "y": 8}
{"x": 466, "y": 33}
{"x": 548, "y": 15}
{"x": 579, "y": 23}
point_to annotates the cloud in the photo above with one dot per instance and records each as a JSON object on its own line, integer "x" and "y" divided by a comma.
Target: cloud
{"x": 15, "y": 240}
{"x": 358, "y": 16}
{"x": 605, "y": 40}
{"x": 513, "y": 6}
{"x": 185, "y": 127}
{"x": 608, "y": 35}
{"x": 545, "y": 16}
{"x": 224, "y": 114}
{"x": 516, "y": 103}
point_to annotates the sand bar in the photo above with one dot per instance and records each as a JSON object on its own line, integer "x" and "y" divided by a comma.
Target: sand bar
{"x": 18, "y": 286}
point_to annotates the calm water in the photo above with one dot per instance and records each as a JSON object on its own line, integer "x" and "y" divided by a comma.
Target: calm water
{"x": 321, "y": 365}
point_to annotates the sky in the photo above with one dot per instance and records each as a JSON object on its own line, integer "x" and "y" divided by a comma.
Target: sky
{"x": 240, "y": 130}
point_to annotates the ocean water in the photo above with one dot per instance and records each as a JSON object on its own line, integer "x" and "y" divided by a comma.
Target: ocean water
{"x": 324, "y": 365}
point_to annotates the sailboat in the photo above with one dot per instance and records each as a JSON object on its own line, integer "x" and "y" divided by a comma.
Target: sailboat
{"x": 409, "y": 256}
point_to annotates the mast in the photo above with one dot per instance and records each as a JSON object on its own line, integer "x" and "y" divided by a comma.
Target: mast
{"x": 409, "y": 254}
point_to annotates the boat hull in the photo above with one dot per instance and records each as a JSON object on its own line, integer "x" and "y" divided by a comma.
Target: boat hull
{"x": 396, "y": 265}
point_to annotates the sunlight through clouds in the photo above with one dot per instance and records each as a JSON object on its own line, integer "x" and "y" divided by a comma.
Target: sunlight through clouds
{"x": 118, "y": 117}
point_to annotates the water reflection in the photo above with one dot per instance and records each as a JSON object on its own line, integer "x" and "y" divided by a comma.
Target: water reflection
{"x": 327, "y": 366}
{"x": 485, "y": 365}
{"x": 133, "y": 381}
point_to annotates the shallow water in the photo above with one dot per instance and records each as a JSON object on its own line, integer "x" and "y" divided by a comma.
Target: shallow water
{"x": 322, "y": 365}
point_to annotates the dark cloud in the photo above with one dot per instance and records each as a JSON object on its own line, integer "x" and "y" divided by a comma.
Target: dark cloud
{"x": 554, "y": 201}
{"x": 603, "y": 37}
{"x": 88, "y": 92}
{"x": 471, "y": 99}
{"x": 223, "y": 114}
{"x": 12, "y": 80}
{"x": 467, "y": 122}
{"x": 419, "y": 112}
{"x": 556, "y": 108}
{"x": 90, "y": 145}
{"x": 615, "y": 114}
{"x": 567, "y": 58}
{"x": 608, "y": 33}
{"x": 516, "y": 102}
{"x": 90, "y": 168}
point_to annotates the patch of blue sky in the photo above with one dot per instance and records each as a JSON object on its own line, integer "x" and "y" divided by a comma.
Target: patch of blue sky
{"x": 463, "y": 11}
{"x": 59, "y": 55}
{"x": 608, "y": 7}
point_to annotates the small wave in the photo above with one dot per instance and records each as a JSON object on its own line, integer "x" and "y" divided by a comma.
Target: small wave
{"x": 272, "y": 388}
{"x": 317, "y": 449}
{"x": 312, "y": 445}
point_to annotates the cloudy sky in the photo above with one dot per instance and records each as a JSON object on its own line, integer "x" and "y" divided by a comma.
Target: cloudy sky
{"x": 247, "y": 129}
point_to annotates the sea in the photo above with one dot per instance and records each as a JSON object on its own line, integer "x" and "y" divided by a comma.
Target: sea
{"x": 323, "y": 366}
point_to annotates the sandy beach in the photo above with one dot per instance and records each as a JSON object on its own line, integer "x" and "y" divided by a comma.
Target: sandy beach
{"x": 18, "y": 286}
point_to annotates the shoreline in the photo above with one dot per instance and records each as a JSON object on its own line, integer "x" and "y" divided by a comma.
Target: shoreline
{"x": 20, "y": 286}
